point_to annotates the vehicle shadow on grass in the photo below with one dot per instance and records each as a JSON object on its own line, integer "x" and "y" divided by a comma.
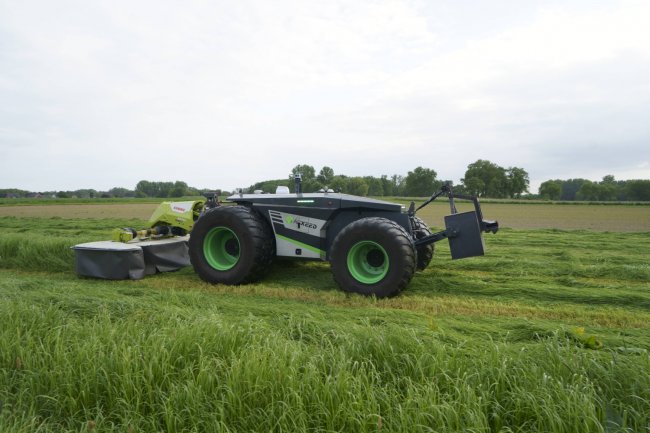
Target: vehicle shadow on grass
{"x": 292, "y": 274}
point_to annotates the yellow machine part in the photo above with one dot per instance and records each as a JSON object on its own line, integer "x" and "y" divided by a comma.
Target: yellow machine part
{"x": 177, "y": 215}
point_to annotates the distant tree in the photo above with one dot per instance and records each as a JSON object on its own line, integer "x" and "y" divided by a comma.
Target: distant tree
{"x": 178, "y": 190}
{"x": 474, "y": 185}
{"x": 325, "y": 176}
{"x": 165, "y": 189}
{"x": 375, "y": 186}
{"x": 420, "y": 182}
{"x": 516, "y": 181}
{"x": 307, "y": 171}
{"x": 121, "y": 192}
{"x": 308, "y": 176}
{"x": 85, "y": 193}
{"x": 570, "y": 188}
{"x": 269, "y": 186}
{"x": 486, "y": 179}
{"x": 551, "y": 189}
{"x": 398, "y": 185}
{"x": 339, "y": 183}
{"x": 460, "y": 189}
{"x": 357, "y": 186}
{"x": 638, "y": 190}
{"x": 13, "y": 193}
{"x": 387, "y": 185}
{"x": 589, "y": 191}
{"x": 62, "y": 194}
{"x": 608, "y": 188}
{"x": 144, "y": 188}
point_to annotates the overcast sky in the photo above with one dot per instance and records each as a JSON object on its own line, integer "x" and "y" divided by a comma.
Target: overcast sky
{"x": 221, "y": 94}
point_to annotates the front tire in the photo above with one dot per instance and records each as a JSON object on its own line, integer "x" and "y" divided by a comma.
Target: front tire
{"x": 373, "y": 256}
{"x": 231, "y": 245}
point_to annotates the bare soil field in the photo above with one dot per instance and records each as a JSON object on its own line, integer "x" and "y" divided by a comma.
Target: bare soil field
{"x": 621, "y": 218}
{"x": 128, "y": 210}
{"x": 617, "y": 218}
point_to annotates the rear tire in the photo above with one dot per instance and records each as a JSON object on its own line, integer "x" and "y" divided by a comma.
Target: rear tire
{"x": 231, "y": 245}
{"x": 425, "y": 253}
{"x": 373, "y": 256}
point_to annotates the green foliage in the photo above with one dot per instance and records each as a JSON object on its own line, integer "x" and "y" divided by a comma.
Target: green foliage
{"x": 486, "y": 179}
{"x": 550, "y": 190}
{"x": 325, "y": 176}
{"x": 180, "y": 189}
{"x": 375, "y": 186}
{"x": 638, "y": 190}
{"x": 517, "y": 181}
{"x": 421, "y": 182}
{"x": 121, "y": 192}
{"x": 570, "y": 188}
{"x": 339, "y": 183}
{"x": 307, "y": 171}
{"x": 12, "y": 193}
{"x": 176, "y": 189}
{"x": 356, "y": 186}
{"x": 387, "y": 186}
{"x": 269, "y": 186}
{"x": 609, "y": 189}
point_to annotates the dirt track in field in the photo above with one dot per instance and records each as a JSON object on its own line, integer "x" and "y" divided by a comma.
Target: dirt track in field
{"x": 622, "y": 218}
{"x": 615, "y": 218}
{"x": 131, "y": 210}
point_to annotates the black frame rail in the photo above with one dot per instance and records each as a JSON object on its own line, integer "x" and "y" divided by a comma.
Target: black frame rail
{"x": 454, "y": 230}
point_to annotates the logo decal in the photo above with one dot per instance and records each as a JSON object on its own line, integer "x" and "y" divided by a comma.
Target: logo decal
{"x": 311, "y": 226}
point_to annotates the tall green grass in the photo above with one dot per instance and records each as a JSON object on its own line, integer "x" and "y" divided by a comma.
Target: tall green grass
{"x": 548, "y": 332}
{"x": 200, "y": 362}
{"x": 43, "y": 244}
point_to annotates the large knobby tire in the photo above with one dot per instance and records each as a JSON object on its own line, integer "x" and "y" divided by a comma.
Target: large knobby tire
{"x": 373, "y": 256}
{"x": 425, "y": 253}
{"x": 231, "y": 245}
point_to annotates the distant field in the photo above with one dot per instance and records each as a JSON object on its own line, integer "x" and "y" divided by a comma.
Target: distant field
{"x": 611, "y": 217}
{"x": 623, "y": 218}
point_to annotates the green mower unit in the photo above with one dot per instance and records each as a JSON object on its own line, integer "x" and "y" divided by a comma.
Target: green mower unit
{"x": 132, "y": 254}
{"x": 169, "y": 219}
{"x": 374, "y": 247}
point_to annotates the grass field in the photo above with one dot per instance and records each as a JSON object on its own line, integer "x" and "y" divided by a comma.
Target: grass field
{"x": 521, "y": 215}
{"x": 549, "y": 331}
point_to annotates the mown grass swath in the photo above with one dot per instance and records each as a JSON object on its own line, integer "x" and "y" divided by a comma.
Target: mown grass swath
{"x": 506, "y": 342}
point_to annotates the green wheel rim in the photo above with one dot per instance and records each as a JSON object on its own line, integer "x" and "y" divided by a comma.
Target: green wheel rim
{"x": 221, "y": 248}
{"x": 368, "y": 262}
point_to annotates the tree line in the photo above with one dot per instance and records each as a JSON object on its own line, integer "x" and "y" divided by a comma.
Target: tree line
{"x": 608, "y": 189}
{"x": 144, "y": 188}
{"x": 482, "y": 178}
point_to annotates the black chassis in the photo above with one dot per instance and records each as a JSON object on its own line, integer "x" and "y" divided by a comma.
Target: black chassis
{"x": 306, "y": 224}
{"x": 311, "y": 221}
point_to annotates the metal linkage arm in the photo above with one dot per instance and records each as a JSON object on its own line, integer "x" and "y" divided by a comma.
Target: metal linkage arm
{"x": 446, "y": 189}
